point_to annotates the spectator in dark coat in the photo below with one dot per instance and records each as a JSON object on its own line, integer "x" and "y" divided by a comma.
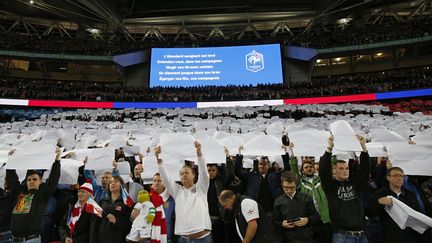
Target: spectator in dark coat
{"x": 391, "y": 231}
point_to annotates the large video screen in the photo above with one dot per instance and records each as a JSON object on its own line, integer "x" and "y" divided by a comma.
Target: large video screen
{"x": 220, "y": 66}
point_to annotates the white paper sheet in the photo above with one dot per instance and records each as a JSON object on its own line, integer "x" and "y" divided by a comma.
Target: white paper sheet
{"x": 376, "y": 149}
{"x": 266, "y": 145}
{"x": 213, "y": 151}
{"x": 413, "y": 159}
{"x": 344, "y": 136}
{"x": 69, "y": 171}
{"x": 404, "y": 216}
{"x": 100, "y": 159}
{"x": 177, "y": 146}
{"x": 32, "y": 156}
{"x": 309, "y": 142}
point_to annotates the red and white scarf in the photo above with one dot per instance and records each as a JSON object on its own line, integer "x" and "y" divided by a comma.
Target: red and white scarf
{"x": 159, "y": 225}
{"x": 90, "y": 207}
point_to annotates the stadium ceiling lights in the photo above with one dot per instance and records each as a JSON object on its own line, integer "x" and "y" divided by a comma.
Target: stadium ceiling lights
{"x": 343, "y": 21}
{"x": 94, "y": 31}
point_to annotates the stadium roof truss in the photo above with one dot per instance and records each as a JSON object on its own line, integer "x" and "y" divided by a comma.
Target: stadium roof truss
{"x": 194, "y": 20}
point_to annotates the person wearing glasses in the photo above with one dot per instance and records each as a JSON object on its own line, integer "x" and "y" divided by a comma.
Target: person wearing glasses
{"x": 390, "y": 230}
{"x": 310, "y": 183}
{"x": 294, "y": 212}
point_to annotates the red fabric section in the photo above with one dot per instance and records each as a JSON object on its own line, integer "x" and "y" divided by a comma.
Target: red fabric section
{"x": 331, "y": 99}
{"x": 70, "y": 104}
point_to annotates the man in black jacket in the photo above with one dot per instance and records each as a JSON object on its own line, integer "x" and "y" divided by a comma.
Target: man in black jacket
{"x": 220, "y": 178}
{"x": 294, "y": 212}
{"x": 30, "y": 201}
{"x": 6, "y": 206}
{"x": 344, "y": 195}
{"x": 391, "y": 231}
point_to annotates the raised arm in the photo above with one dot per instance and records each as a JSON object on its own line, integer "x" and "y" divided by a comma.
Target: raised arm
{"x": 362, "y": 178}
{"x": 169, "y": 186}
{"x": 203, "y": 177}
{"x": 239, "y": 171}
{"x": 54, "y": 176}
{"x": 229, "y": 176}
{"x": 325, "y": 164}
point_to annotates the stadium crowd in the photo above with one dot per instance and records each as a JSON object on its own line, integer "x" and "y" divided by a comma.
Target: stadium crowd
{"x": 319, "y": 37}
{"x": 334, "y": 200}
{"x": 319, "y": 86}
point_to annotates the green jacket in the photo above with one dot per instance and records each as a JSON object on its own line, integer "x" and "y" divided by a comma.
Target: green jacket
{"x": 314, "y": 189}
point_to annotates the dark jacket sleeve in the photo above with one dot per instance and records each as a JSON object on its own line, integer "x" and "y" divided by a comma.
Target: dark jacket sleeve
{"x": 364, "y": 171}
{"x": 63, "y": 228}
{"x": 313, "y": 217}
{"x": 240, "y": 172}
{"x": 277, "y": 214}
{"x": 286, "y": 162}
{"x": 13, "y": 183}
{"x": 373, "y": 208}
{"x": 325, "y": 171}
{"x": 81, "y": 175}
{"x": 94, "y": 223}
{"x": 52, "y": 181}
{"x": 229, "y": 176}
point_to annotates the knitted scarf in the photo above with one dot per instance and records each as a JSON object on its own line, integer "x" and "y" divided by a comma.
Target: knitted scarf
{"x": 90, "y": 207}
{"x": 159, "y": 226}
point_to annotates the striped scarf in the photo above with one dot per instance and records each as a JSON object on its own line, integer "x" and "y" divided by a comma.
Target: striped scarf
{"x": 90, "y": 207}
{"x": 159, "y": 226}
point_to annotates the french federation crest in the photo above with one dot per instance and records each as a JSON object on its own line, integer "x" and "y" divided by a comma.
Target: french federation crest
{"x": 254, "y": 61}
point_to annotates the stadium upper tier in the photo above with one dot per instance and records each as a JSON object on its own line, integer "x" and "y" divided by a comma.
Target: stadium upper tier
{"x": 403, "y": 79}
{"x": 318, "y": 37}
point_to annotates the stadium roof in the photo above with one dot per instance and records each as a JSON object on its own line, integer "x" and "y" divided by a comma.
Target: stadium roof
{"x": 205, "y": 17}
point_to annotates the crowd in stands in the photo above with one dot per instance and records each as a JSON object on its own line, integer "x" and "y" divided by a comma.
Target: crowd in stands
{"x": 282, "y": 199}
{"x": 319, "y": 86}
{"x": 319, "y": 37}
{"x": 352, "y": 34}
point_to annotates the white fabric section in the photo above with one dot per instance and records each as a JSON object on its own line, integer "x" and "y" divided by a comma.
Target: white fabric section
{"x": 239, "y": 103}
{"x": 14, "y": 102}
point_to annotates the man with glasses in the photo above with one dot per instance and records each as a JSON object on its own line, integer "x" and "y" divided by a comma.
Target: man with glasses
{"x": 378, "y": 201}
{"x": 310, "y": 184}
{"x": 294, "y": 212}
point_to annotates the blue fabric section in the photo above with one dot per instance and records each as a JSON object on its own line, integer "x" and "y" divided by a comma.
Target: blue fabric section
{"x": 120, "y": 105}
{"x": 404, "y": 94}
